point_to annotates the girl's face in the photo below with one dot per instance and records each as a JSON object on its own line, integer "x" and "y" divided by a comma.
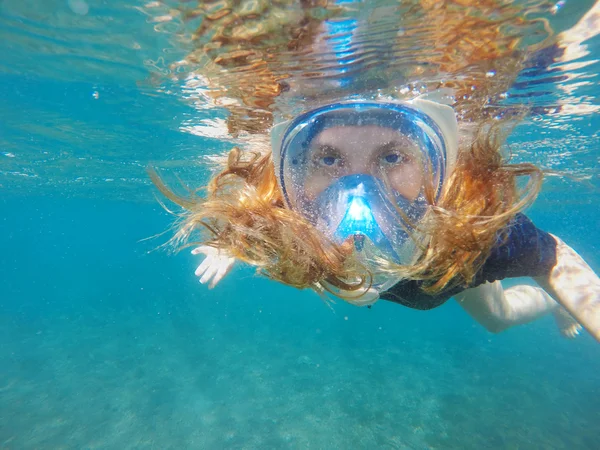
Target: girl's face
{"x": 373, "y": 150}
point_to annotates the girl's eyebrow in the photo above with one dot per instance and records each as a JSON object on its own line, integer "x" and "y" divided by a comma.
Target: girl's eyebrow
{"x": 406, "y": 147}
{"x": 392, "y": 145}
{"x": 326, "y": 147}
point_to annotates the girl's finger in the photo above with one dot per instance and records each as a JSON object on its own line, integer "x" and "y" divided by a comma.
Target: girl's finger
{"x": 210, "y": 272}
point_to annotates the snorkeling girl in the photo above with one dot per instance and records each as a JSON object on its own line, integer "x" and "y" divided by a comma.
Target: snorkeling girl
{"x": 384, "y": 200}
{"x": 369, "y": 200}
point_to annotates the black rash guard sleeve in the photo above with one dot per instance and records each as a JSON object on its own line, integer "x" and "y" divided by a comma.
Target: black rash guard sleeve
{"x": 524, "y": 251}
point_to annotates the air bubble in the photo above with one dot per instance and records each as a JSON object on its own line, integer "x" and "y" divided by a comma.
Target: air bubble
{"x": 79, "y": 7}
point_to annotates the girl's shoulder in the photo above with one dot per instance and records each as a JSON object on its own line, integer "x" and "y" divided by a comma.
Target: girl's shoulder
{"x": 521, "y": 250}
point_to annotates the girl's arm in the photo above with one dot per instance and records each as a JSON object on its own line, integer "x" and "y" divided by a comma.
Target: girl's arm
{"x": 497, "y": 308}
{"x": 575, "y": 286}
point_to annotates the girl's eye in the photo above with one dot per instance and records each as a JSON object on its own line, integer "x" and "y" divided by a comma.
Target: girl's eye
{"x": 393, "y": 158}
{"x": 327, "y": 156}
{"x": 328, "y": 160}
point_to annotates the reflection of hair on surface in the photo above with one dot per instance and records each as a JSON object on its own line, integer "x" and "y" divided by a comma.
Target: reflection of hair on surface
{"x": 250, "y": 53}
{"x": 237, "y": 47}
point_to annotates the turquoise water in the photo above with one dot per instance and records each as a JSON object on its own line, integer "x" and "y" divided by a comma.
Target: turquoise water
{"x": 108, "y": 343}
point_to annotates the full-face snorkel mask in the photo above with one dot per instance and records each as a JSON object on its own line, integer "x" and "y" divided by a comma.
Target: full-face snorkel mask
{"x": 356, "y": 171}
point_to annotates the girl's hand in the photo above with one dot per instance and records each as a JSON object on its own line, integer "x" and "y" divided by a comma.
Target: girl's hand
{"x": 214, "y": 267}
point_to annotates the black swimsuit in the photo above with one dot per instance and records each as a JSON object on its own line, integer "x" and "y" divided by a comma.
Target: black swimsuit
{"x": 526, "y": 252}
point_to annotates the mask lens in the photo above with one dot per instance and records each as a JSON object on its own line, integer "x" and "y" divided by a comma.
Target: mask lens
{"x": 357, "y": 171}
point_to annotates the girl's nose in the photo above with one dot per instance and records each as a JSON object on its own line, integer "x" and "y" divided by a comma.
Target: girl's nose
{"x": 359, "y": 161}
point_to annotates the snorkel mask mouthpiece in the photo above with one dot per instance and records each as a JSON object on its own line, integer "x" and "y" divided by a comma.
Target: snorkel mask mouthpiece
{"x": 358, "y": 221}
{"x": 357, "y": 206}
